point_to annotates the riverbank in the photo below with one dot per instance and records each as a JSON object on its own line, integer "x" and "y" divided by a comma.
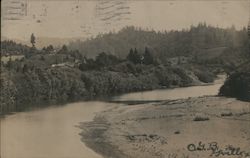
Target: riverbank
{"x": 57, "y": 85}
{"x": 193, "y": 127}
{"x": 237, "y": 85}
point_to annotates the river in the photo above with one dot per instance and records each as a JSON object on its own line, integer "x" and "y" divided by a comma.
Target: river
{"x": 175, "y": 93}
{"x": 53, "y": 133}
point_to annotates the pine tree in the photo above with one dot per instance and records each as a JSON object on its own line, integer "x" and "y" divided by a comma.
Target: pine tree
{"x": 136, "y": 57}
{"x": 33, "y": 40}
{"x": 130, "y": 55}
{"x": 148, "y": 57}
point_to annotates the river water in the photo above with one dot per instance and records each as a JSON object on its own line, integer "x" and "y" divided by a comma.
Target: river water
{"x": 175, "y": 93}
{"x": 53, "y": 133}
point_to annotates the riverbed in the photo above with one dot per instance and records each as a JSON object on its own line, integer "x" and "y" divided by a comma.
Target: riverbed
{"x": 53, "y": 132}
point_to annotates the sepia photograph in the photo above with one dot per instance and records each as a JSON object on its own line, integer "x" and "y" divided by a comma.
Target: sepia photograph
{"x": 125, "y": 79}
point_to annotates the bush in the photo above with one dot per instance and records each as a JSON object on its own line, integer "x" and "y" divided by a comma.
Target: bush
{"x": 237, "y": 85}
{"x": 201, "y": 117}
{"x": 226, "y": 114}
{"x": 205, "y": 76}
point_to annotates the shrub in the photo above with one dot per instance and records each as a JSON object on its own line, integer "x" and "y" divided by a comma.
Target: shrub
{"x": 201, "y": 118}
{"x": 205, "y": 76}
{"x": 226, "y": 114}
{"x": 237, "y": 85}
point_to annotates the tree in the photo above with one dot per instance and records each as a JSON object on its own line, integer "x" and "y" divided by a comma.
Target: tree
{"x": 87, "y": 81}
{"x": 134, "y": 56}
{"x": 42, "y": 58}
{"x": 49, "y": 48}
{"x": 137, "y": 57}
{"x": 130, "y": 55}
{"x": 104, "y": 59}
{"x": 248, "y": 39}
{"x": 148, "y": 57}
{"x": 8, "y": 65}
{"x": 25, "y": 68}
{"x": 63, "y": 50}
{"x": 33, "y": 40}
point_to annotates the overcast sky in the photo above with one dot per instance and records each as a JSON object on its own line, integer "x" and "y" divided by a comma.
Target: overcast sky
{"x": 81, "y": 18}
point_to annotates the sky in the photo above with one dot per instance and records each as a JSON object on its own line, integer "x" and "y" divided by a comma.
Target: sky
{"x": 87, "y": 18}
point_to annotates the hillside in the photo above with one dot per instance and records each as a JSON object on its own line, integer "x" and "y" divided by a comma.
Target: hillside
{"x": 60, "y": 76}
{"x": 127, "y": 61}
{"x": 201, "y": 42}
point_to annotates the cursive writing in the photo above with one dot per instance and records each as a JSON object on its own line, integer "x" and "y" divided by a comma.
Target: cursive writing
{"x": 214, "y": 148}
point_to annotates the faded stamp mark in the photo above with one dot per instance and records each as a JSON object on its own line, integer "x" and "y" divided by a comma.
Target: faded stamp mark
{"x": 14, "y": 9}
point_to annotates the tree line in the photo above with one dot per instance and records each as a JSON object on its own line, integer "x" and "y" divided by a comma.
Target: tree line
{"x": 165, "y": 44}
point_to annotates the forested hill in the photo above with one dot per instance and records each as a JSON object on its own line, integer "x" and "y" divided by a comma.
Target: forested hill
{"x": 127, "y": 61}
{"x": 195, "y": 41}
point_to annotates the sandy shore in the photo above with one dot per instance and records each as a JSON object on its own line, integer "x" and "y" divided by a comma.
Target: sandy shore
{"x": 185, "y": 128}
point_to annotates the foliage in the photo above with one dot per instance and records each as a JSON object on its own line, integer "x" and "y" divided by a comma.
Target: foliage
{"x": 192, "y": 42}
{"x": 134, "y": 56}
{"x": 33, "y": 40}
{"x": 40, "y": 86}
{"x": 49, "y": 48}
{"x": 12, "y": 48}
{"x": 63, "y": 50}
{"x": 204, "y": 75}
{"x": 52, "y": 76}
{"x": 148, "y": 57}
{"x": 237, "y": 85}
{"x": 104, "y": 59}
